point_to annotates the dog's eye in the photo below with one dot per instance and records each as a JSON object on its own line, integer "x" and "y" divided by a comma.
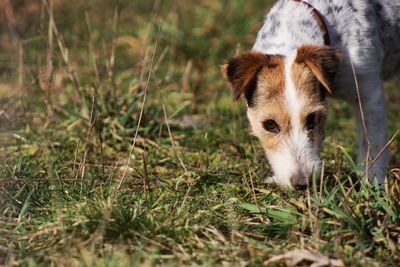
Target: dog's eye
{"x": 271, "y": 126}
{"x": 311, "y": 121}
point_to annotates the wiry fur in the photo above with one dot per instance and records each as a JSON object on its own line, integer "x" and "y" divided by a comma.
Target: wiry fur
{"x": 367, "y": 34}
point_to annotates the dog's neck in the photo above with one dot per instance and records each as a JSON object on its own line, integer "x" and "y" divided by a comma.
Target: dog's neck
{"x": 319, "y": 18}
{"x": 282, "y": 32}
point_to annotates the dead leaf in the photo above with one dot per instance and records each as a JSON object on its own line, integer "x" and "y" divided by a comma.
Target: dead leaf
{"x": 188, "y": 121}
{"x": 316, "y": 259}
{"x": 396, "y": 173}
{"x": 4, "y": 119}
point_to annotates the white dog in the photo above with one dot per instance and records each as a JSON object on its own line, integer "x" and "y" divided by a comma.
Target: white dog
{"x": 305, "y": 49}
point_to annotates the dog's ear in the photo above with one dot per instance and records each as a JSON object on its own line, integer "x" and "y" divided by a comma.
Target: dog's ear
{"x": 323, "y": 61}
{"x": 241, "y": 73}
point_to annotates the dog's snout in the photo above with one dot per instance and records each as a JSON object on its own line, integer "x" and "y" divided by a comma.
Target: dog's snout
{"x": 298, "y": 181}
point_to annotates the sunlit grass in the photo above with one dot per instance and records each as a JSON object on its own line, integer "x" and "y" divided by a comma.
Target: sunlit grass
{"x": 74, "y": 191}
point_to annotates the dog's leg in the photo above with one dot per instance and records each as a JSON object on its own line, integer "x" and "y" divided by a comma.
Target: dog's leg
{"x": 372, "y": 127}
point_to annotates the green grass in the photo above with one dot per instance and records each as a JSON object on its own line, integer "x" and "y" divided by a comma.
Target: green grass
{"x": 74, "y": 191}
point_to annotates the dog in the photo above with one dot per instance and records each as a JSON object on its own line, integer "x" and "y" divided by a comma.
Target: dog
{"x": 305, "y": 51}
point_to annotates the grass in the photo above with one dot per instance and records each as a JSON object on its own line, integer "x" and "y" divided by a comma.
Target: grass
{"x": 74, "y": 189}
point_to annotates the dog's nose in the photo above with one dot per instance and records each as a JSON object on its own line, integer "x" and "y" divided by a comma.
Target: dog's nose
{"x": 299, "y": 182}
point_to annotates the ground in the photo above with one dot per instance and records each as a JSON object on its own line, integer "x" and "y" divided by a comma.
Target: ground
{"x": 121, "y": 145}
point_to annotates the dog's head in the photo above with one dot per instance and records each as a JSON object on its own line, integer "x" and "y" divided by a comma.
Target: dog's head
{"x": 286, "y": 106}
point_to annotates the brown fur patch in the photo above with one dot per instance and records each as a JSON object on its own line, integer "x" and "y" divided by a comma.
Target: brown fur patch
{"x": 272, "y": 110}
{"x": 270, "y": 99}
{"x": 271, "y": 80}
{"x": 323, "y": 61}
{"x": 242, "y": 72}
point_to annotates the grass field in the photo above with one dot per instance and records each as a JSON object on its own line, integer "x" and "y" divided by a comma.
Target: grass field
{"x": 120, "y": 145}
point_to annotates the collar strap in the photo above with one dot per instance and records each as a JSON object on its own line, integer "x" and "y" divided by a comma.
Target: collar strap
{"x": 318, "y": 17}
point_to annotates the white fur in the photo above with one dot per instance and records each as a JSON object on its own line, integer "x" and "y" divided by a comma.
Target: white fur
{"x": 296, "y": 154}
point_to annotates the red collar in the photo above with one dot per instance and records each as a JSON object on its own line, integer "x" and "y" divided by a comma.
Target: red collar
{"x": 318, "y": 17}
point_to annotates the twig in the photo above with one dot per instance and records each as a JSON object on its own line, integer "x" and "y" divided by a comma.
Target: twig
{"x": 362, "y": 119}
{"x": 146, "y": 39}
{"x": 384, "y": 148}
{"x": 141, "y": 109}
{"x": 64, "y": 54}
{"x": 310, "y": 214}
{"x": 75, "y": 156}
{"x": 111, "y": 66}
{"x": 321, "y": 178}
{"x": 92, "y": 50}
{"x": 253, "y": 191}
{"x": 82, "y": 163}
{"x": 112, "y": 171}
{"x": 50, "y": 46}
{"x": 48, "y": 86}
{"x": 171, "y": 139}
{"x": 12, "y": 25}
{"x": 146, "y": 184}
{"x": 21, "y": 67}
{"x": 100, "y": 134}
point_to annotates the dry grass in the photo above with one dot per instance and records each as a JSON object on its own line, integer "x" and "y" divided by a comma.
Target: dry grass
{"x": 121, "y": 145}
